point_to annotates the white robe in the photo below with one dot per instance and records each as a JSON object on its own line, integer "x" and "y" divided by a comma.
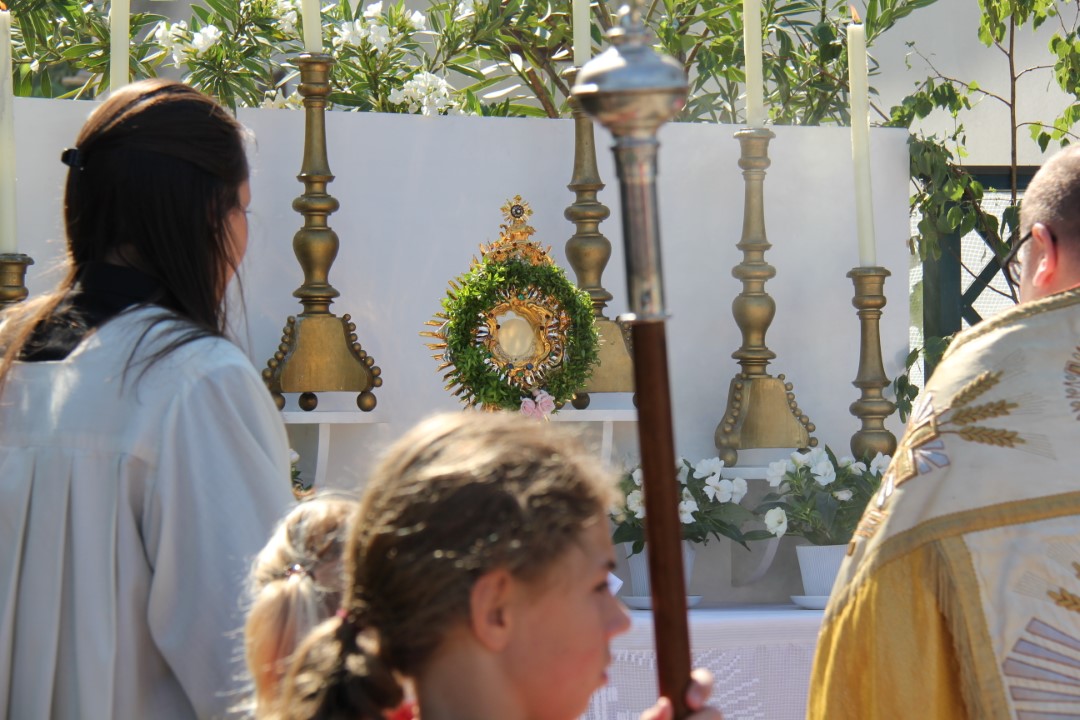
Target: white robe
{"x": 129, "y": 511}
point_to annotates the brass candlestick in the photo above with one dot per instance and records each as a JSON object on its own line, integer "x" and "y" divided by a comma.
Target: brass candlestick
{"x": 871, "y": 408}
{"x": 588, "y": 252}
{"x": 761, "y": 410}
{"x": 13, "y": 278}
{"x": 319, "y": 351}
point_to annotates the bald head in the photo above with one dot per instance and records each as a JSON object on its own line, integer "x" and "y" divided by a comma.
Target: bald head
{"x": 1053, "y": 198}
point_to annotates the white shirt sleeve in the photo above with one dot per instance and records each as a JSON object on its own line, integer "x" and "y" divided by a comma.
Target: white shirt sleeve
{"x": 222, "y": 482}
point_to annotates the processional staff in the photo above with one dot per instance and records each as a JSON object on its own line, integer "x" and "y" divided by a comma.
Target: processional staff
{"x": 632, "y": 91}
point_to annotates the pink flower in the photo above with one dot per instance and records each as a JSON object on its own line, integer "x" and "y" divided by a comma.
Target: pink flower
{"x": 545, "y": 404}
{"x": 529, "y": 409}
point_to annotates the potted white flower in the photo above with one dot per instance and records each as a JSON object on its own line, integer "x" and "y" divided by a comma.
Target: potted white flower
{"x": 709, "y": 507}
{"x": 821, "y": 498}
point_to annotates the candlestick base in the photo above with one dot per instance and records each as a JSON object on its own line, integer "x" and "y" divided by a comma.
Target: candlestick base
{"x": 871, "y": 408}
{"x": 13, "y": 278}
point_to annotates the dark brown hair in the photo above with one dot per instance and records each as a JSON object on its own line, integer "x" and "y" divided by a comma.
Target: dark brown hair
{"x": 158, "y": 168}
{"x": 458, "y": 496}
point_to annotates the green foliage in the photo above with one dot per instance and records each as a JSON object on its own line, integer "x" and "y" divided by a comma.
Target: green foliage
{"x": 930, "y": 355}
{"x": 822, "y": 497}
{"x": 710, "y": 506}
{"x": 478, "y": 293}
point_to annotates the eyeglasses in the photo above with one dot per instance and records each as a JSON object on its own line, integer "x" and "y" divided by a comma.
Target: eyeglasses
{"x": 1011, "y": 262}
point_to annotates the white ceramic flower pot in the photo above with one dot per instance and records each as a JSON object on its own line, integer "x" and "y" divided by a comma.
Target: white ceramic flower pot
{"x": 639, "y": 569}
{"x": 819, "y": 565}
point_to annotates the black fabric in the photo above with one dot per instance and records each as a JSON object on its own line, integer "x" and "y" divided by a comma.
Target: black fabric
{"x": 101, "y": 292}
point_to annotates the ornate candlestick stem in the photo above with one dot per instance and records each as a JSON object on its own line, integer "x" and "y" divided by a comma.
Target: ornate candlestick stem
{"x": 761, "y": 410}
{"x": 13, "y": 278}
{"x": 871, "y": 408}
{"x": 588, "y": 252}
{"x": 633, "y": 91}
{"x": 318, "y": 351}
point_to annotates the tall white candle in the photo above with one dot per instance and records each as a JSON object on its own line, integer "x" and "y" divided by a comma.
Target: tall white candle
{"x": 312, "y": 26}
{"x": 119, "y": 45}
{"x": 755, "y": 83}
{"x": 860, "y": 142}
{"x": 582, "y": 33}
{"x": 8, "y": 243}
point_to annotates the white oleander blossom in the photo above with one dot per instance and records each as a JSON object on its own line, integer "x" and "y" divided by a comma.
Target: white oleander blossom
{"x": 776, "y": 521}
{"x": 379, "y": 37}
{"x": 425, "y": 93}
{"x": 286, "y": 14}
{"x": 373, "y": 10}
{"x": 418, "y": 21}
{"x": 279, "y": 101}
{"x": 635, "y": 503}
{"x": 205, "y": 39}
{"x": 350, "y": 33}
{"x": 172, "y": 39}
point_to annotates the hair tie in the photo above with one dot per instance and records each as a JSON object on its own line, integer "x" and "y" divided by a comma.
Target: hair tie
{"x": 73, "y": 158}
{"x": 297, "y": 570}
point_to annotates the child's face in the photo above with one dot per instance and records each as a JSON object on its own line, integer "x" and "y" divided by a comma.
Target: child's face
{"x": 559, "y": 654}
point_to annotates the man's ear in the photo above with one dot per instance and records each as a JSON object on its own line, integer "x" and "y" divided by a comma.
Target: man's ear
{"x": 1048, "y": 263}
{"x": 490, "y": 608}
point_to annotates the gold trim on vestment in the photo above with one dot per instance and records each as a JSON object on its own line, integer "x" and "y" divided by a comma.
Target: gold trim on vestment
{"x": 961, "y": 603}
{"x": 1015, "y": 512}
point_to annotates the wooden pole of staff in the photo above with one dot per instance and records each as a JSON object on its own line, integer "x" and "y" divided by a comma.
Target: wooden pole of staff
{"x": 663, "y": 532}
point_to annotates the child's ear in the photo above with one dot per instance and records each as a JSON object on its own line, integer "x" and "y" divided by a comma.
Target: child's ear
{"x": 490, "y": 612}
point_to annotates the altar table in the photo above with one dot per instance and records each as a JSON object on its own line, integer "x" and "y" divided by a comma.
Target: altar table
{"x": 760, "y": 655}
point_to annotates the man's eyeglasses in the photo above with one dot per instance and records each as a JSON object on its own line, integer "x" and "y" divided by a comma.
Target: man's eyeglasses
{"x": 1011, "y": 262}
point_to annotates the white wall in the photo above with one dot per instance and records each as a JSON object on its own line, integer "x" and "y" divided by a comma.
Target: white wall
{"x": 419, "y": 194}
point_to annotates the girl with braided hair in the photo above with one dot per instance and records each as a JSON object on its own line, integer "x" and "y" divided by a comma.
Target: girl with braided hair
{"x": 478, "y": 569}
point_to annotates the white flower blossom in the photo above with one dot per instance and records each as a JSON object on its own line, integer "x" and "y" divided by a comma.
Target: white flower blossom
{"x": 373, "y": 10}
{"x": 205, "y": 39}
{"x": 858, "y": 467}
{"x": 379, "y": 37}
{"x": 636, "y": 476}
{"x": 880, "y": 464}
{"x": 709, "y": 466}
{"x": 172, "y": 39}
{"x": 799, "y": 459}
{"x": 816, "y": 455}
{"x": 294, "y": 457}
{"x": 279, "y": 101}
{"x": 775, "y": 473}
{"x": 418, "y": 21}
{"x": 738, "y": 491}
{"x": 824, "y": 472}
{"x": 845, "y": 461}
{"x": 682, "y": 471}
{"x": 687, "y": 507}
{"x": 350, "y": 33}
{"x": 34, "y": 66}
{"x": 776, "y": 521}
{"x": 425, "y": 93}
{"x": 285, "y": 12}
{"x": 635, "y": 503}
{"x": 842, "y": 495}
{"x": 719, "y": 490}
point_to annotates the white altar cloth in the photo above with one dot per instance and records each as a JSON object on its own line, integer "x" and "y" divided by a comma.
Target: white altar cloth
{"x": 760, "y": 655}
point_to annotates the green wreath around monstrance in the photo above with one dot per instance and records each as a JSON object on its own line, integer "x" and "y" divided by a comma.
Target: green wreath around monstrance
{"x": 513, "y": 327}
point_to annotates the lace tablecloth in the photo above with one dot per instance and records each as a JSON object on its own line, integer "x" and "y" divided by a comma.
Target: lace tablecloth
{"x": 760, "y": 655}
